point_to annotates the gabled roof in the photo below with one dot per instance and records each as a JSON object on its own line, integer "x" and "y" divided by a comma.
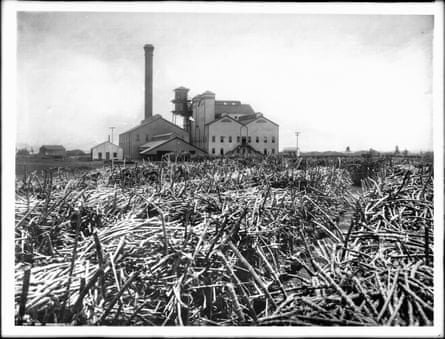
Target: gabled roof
{"x": 103, "y": 143}
{"x": 149, "y": 121}
{"x": 247, "y": 120}
{"x": 221, "y": 118}
{"x": 53, "y": 147}
{"x": 152, "y": 145}
{"x": 243, "y": 120}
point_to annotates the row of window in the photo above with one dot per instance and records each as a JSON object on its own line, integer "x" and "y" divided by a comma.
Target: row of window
{"x": 221, "y": 151}
{"x": 238, "y": 139}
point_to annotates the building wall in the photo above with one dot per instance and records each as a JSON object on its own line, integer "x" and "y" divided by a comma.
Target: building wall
{"x": 262, "y": 128}
{"x": 115, "y": 151}
{"x": 131, "y": 140}
{"x": 203, "y": 112}
{"x": 227, "y": 128}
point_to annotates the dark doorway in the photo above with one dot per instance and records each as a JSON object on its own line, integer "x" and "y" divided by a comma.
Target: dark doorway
{"x": 243, "y": 141}
{"x": 107, "y": 155}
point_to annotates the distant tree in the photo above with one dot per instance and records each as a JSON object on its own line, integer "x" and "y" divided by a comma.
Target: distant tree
{"x": 397, "y": 151}
{"x": 405, "y": 152}
{"x": 348, "y": 150}
{"x": 22, "y": 151}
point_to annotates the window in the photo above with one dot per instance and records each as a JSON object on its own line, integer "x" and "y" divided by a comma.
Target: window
{"x": 137, "y": 137}
{"x": 257, "y": 139}
{"x": 273, "y": 139}
{"x": 146, "y": 137}
{"x": 114, "y": 154}
{"x": 99, "y": 155}
{"x": 265, "y": 151}
{"x": 265, "y": 140}
{"x": 230, "y": 138}
{"x": 273, "y": 150}
{"x": 222, "y": 151}
{"x": 249, "y": 139}
{"x": 222, "y": 138}
{"x": 213, "y": 151}
{"x": 213, "y": 138}
{"x": 238, "y": 139}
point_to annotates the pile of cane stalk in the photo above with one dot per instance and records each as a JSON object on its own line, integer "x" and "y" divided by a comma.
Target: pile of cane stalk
{"x": 224, "y": 243}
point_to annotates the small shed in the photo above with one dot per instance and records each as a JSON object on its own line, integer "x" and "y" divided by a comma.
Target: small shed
{"x": 107, "y": 151}
{"x": 52, "y": 151}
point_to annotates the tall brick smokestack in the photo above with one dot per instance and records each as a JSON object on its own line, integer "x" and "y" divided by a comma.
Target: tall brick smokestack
{"x": 148, "y": 81}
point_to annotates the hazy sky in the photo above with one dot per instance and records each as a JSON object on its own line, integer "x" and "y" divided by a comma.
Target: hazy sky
{"x": 358, "y": 80}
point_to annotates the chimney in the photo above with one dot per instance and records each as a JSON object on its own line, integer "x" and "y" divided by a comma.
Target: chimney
{"x": 148, "y": 81}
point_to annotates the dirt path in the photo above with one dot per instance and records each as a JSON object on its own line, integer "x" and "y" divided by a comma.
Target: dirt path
{"x": 345, "y": 220}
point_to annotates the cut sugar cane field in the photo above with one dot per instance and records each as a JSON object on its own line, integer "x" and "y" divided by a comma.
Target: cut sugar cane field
{"x": 227, "y": 242}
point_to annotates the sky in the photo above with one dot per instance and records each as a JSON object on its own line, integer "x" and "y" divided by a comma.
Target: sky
{"x": 363, "y": 81}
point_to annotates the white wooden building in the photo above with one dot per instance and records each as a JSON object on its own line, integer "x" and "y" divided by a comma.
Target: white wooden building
{"x": 107, "y": 151}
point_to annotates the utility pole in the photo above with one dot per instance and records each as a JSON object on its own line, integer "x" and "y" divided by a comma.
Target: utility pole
{"x": 112, "y": 129}
{"x": 297, "y": 150}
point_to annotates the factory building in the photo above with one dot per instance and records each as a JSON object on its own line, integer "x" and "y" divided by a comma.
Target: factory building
{"x": 222, "y": 127}
{"x": 210, "y": 126}
{"x": 151, "y": 128}
{"x": 106, "y": 151}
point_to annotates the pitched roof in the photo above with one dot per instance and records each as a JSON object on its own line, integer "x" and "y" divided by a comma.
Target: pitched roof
{"x": 103, "y": 143}
{"x": 150, "y": 120}
{"x": 223, "y": 117}
{"x": 150, "y": 146}
{"x": 245, "y": 120}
